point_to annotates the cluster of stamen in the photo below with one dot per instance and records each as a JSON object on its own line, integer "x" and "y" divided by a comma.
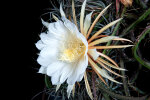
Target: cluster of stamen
{"x": 72, "y": 51}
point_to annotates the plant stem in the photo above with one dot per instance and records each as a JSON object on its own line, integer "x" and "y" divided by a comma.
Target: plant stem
{"x": 125, "y": 85}
{"x": 140, "y": 19}
{"x": 106, "y": 97}
{"x": 135, "y": 76}
{"x": 136, "y": 89}
{"x": 47, "y": 82}
{"x": 125, "y": 32}
{"x": 144, "y": 63}
{"x": 118, "y": 96}
{"x": 93, "y": 85}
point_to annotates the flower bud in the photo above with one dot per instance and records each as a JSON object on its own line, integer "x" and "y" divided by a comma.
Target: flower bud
{"x": 127, "y": 2}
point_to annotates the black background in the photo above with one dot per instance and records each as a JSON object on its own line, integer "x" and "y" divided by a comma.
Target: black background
{"x": 23, "y": 28}
{"x": 36, "y": 81}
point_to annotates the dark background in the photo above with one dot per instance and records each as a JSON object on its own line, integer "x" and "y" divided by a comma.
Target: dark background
{"x": 36, "y": 81}
{"x": 23, "y": 28}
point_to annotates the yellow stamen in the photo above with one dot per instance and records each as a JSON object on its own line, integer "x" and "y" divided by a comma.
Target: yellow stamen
{"x": 72, "y": 52}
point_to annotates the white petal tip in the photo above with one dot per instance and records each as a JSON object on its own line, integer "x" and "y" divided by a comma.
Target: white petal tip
{"x": 46, "y": 24}
{"x": 69, "y": 89}
{"x": 61, "y": 11}
{"x": 57, "y": 87}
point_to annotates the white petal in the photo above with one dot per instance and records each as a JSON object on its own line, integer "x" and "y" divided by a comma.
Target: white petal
{"x": 73, "y": 77}
{"x": 45, "y": 23}
{"x": 66, "y": 71}
{"x": 61, "y": 11}
{"x": 87, "y": 22}
{"x": 42, "y": 70}
{"x": 93, "y": 53}
{"x": 55, "y": 78}
{"x": 47, "y": 55}
{"x": 69, "y": 89}
{"x": 40, "y": 45}
{"x": 44, "y": 61}
{"x": 80, "y": 77}
{"x": 78, "y": 70}
{"x": 70, "y": 26}
{"x": 73, "y": 29}
{"x": 55, "y": 67}
{"x": 45, "y": 38}
{"x": 58, "y": 29}
{"x": 50, "y": 52}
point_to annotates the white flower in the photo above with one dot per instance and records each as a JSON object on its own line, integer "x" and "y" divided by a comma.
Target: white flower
{"x": 63, "y": 53}
{"x": 66, "y": 51}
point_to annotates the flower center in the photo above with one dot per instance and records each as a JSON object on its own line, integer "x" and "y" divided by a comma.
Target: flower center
{"x": 72, "y": 52}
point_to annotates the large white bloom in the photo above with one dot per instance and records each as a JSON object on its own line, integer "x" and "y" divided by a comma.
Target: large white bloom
{"x": 65, "y": 52}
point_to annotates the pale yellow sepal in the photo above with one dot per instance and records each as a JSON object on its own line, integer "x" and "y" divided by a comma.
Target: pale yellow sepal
{"x": 108, "y": 58}
{"x": 87, "y": 23}
{"x": 104, "y": 28}
{"x": 107, "y": 39}
{"x": 109, "y": 69}
{"x": 93, "y": 53}
{"x": 73, "y": 90}
{"x": 74, "y": 14}
{"x": 106, "y": 75}
{"x": 56, "y": 19}
{"x": 109, "y": 64}
{"x": 102, "y": 72}
{"x": 57, "y": 87}
{"x": 97, "y": 18}
{"x": 88, "y": 89}
{"x": 110, "y": 47}
{"x": 82, "y": 16}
